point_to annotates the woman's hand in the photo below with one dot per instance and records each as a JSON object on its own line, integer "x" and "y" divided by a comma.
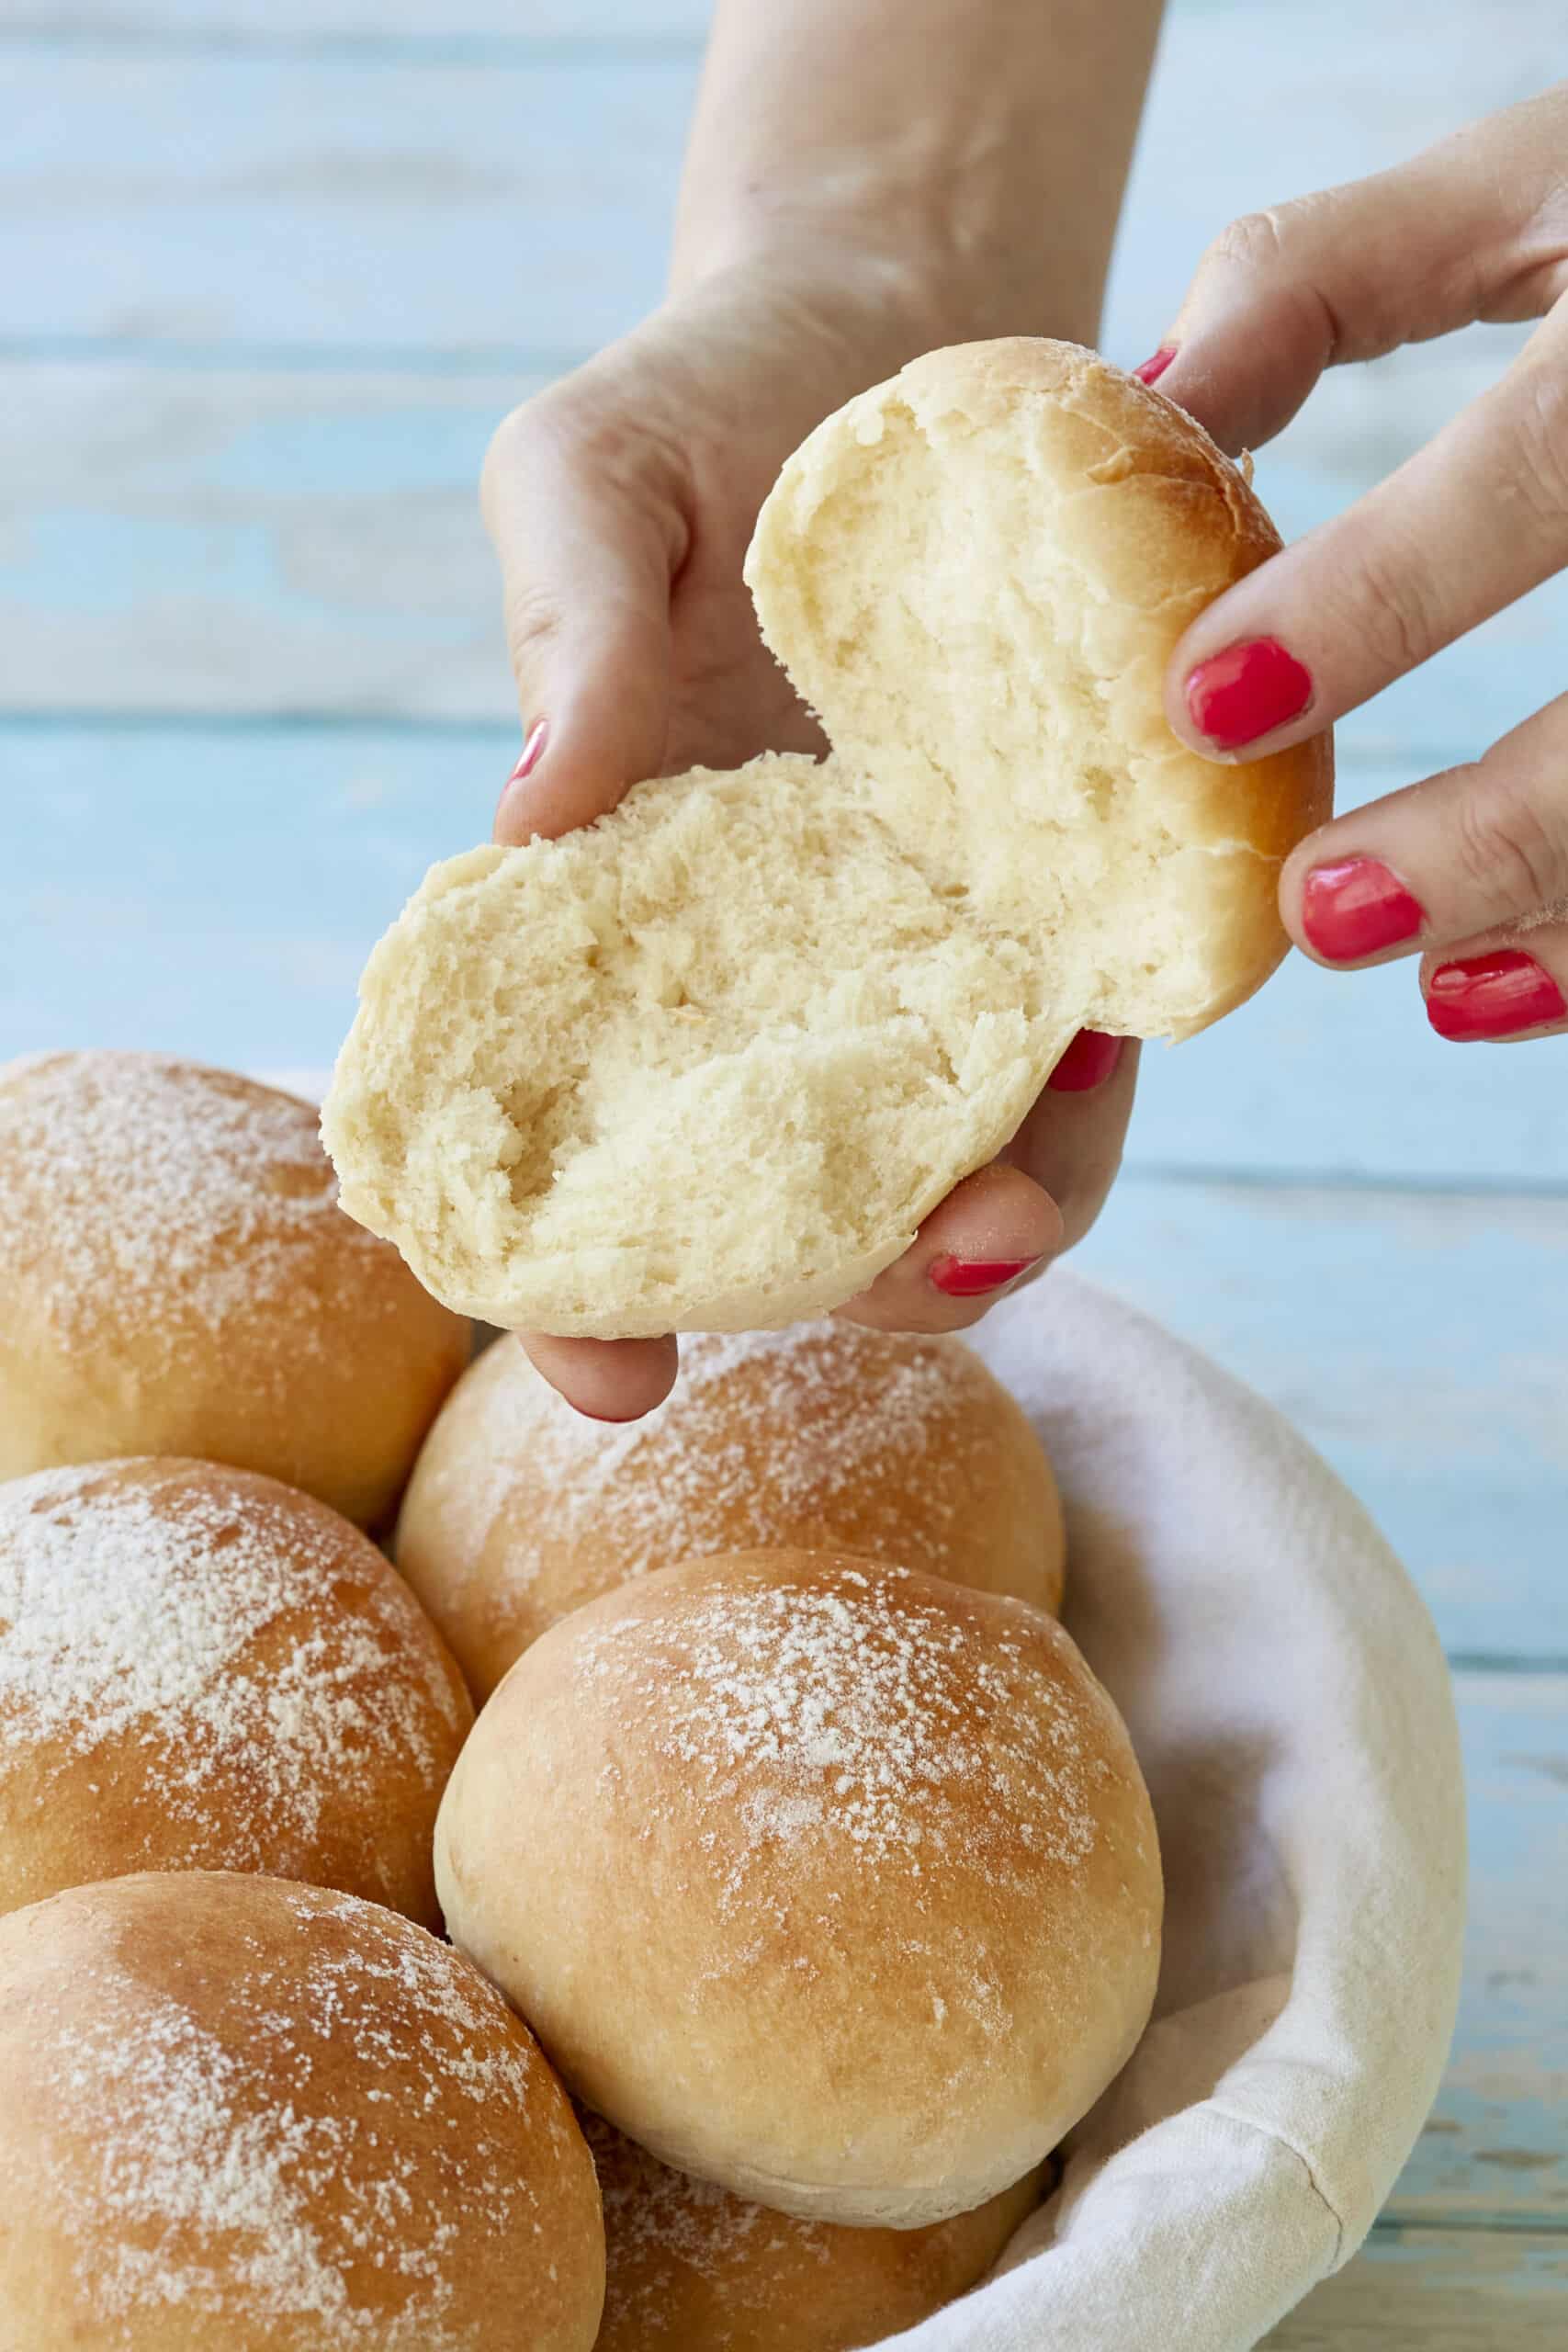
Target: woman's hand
{"x": 866, "y": 179}
{"x": 1468, "y": 869}
{"x": 621, "y": 502}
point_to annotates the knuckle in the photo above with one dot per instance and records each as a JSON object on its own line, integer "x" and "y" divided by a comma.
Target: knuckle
{"x": 1386, "y": 601}
{"x": 1254, "y": 241}
{"x": 526, "y": 437}
{"x": 1511, "y": 846}
{"x": 534, "y": 621}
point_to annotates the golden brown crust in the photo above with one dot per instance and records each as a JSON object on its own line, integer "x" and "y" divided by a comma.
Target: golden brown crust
{"x": 179, "y": 1280}
{"x": 689, "y": 2266}
{"x": 834, "y": 1884}
{"x": 243, "y": 2116}
{"x": 200, "y": 1668}
{"x": 827, "y": 1436}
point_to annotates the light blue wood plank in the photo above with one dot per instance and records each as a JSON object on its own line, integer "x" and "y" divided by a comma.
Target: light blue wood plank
{"x": 1341, "y": 1076}
{"x": 214, "y": 888}
{"x": 1437, "y": 2291}
{"x": 1418, "y": 1343}
{"x": 179, "y": 541}
{"x": 504, "y": 23}
{"x": 209, "y": 199}
{"x": 1497, "y": 2146}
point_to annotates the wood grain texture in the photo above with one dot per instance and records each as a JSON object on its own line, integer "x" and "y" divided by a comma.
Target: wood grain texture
{"x": 1437, "y": 2290}
{"x": 180, "y": 540}
{"x": 1417, "y": 1340}
{"x": 324, "y": 205}
{"x": 1495, "y": 2148}
{"x": 509, "y": 23}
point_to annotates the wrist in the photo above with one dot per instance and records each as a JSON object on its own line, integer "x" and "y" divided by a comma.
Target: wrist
{"x": 869, "y": 262}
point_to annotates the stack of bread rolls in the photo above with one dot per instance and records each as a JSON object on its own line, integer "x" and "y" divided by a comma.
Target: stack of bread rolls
{"x": 802, "y": 1885}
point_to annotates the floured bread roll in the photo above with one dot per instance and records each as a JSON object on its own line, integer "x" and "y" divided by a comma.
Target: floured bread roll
{"x": 831, "y": 1883}
{"x": 689, "y": 2267}
{"x": 243, "y": 2116}
{"x": 708, "y": 1064}
{"x": 176, "y": 1277}
{"x": 827, "y": 1436}
{"x": 200, "y": 1668}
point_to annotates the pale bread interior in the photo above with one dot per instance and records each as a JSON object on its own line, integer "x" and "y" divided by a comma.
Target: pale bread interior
{"x": 708, "y": 1064}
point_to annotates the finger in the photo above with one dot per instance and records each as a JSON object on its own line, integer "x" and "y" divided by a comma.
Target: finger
{"x": 992, "y": 1231}
{"x": 586, "y": 520}
{"x": 1502, "y": 992}
{"x": 1071, "y": 1142}
{"x": 1443, "y": 861}
{"x": 1476, "y": 518}
{"x": 608, "y": 1380}
{"x": 1462, "y": 232}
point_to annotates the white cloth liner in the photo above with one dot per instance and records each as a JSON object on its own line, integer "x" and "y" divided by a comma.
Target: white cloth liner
{"x": 1289, "y": 1699}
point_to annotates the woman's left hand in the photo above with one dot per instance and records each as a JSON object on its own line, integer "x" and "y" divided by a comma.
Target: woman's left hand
{"x": 1469, "y": 869}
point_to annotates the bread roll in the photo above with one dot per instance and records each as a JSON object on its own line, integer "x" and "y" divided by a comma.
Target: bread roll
{"x": 708, "y": 1064}
{"x": 243, "y": 2116}
{"x": 201, "y": 1668}
{"x": 826, "y": 1436}
{"x": 831, "y": 1883}
{"x": 688, "y": 2266}
{"x": 178, "y": 1279}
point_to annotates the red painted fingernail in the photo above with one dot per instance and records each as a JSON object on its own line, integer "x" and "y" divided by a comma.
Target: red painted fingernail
{"x": 1357, "y": 906}
{"x": 1088, "y": 1062}
{"x": 1492, "y": 995}
{"x": 971, "y": 1277}
{"x": 1246, "y": 690}
{"x": 532, "y": 749}
{"x": 1152, "y": 369}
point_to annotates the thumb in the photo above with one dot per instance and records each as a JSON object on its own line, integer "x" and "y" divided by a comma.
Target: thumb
{"x": 588, "y": 549}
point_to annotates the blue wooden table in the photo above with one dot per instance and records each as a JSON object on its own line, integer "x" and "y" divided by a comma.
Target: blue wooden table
{"x": 273, "y": 269}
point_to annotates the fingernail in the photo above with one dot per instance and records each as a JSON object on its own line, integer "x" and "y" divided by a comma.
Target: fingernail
{"x": 1153, "y": 369}
{"x": 1492, "y": 995}
{"x": 1246, "y": 692}
{"x": 1355, "y": 908}
{"x": 972, "y": 1277}
{"x": 1088, "y": 1062}
{"x": 532, "y": 749}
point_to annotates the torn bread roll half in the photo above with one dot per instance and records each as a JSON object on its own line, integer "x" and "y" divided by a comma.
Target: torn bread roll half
{"x": 708, "y": 1064}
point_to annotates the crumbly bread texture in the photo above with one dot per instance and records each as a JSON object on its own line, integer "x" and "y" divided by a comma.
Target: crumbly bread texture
{"x": 178, "y": 1279}
{"x": 692, "y": 2268}
{"x": 200, "y": 1668}
{"x": 245, "y": 2116}
{"x": 826, "y": 1436}
{"x": 831, "y": 1883}
{"x": 708, "y": 1064}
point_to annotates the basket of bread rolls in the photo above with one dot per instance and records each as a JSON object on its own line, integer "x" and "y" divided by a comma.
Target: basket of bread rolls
{"x": 920, "y": 1841}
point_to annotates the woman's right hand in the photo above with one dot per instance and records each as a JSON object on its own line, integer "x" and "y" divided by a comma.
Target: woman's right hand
{"x": 621, "y": 502}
